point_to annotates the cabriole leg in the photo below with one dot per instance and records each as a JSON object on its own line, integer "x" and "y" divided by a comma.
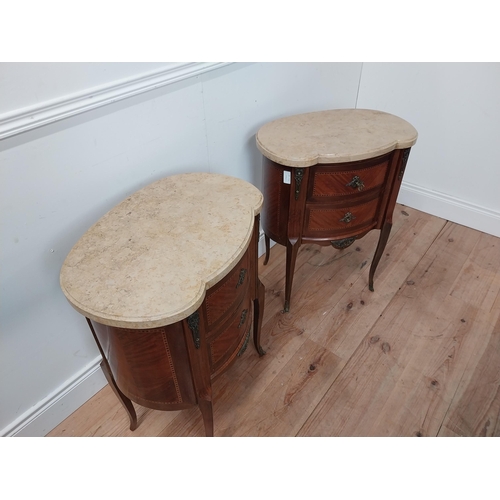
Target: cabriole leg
{"x": 208, "y": 416}
{"x": 126, "y": 403}
{"x": 382, "y": 242}
{"x": 291, "y": 256}
{"x": 268, "y": 248}
{"x": 258, "y": 313}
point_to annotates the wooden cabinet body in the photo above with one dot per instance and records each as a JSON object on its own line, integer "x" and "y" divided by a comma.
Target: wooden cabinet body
{"x": 327, "y": 202}
{"x": 171, "y": 366}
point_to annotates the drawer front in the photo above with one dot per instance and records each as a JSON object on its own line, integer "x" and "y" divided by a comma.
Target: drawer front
{"x": 331, "y": 182}
{"x": 326, "y": 222}
{"x": 221, "y": 297}
{"x": 232, "y": 339}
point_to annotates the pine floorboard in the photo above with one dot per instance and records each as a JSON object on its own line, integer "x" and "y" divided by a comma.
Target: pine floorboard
{"x": 419, "y": 356}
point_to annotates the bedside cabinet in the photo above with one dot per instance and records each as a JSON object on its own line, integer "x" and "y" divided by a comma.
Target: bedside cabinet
{"x": 168, "y": 283}
{"x": 329, "y": 177}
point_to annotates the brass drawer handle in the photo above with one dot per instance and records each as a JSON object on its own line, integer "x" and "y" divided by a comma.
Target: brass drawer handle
{"x": 356, "y": 183}
{"x": 243, "y": 317}
{"x": 348, "y": 217}
{"x": 241, "y": 279}
{"x": 245, "y": 344}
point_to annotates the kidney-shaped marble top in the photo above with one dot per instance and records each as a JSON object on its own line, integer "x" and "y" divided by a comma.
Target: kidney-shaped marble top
{"x": 149, "y": 261}
{"x": 333, "y": 136}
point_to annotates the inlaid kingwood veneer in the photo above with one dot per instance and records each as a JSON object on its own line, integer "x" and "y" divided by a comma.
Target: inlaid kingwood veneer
{"x": 329, "y": 178}
{"x": 168, "y": 283}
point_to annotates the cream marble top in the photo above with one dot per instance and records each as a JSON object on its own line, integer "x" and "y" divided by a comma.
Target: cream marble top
{"x": 149, "y": 261}
{"x": 334, "y": 136}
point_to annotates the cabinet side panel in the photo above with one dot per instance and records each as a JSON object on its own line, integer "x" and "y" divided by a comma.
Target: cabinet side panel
{"x": 276, "y": 200}
{"x": 151, "y": 367}
{"x": 398, "y": 166}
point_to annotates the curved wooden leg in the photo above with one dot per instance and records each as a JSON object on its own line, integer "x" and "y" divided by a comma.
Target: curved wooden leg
{"x": 268, "y": 248}
{"x": 126, "y": 403}
{"x": 196, "y": 340}
{"x": 258, "y": 313}
{"x": 291, "y": 256}
{"x": 382, "y": 242}
{"x": 208, "y": 416}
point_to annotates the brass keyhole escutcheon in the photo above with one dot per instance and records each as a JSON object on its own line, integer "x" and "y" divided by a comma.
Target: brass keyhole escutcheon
{"x": 356, "y": 183}
{"x": 348, "y": 217}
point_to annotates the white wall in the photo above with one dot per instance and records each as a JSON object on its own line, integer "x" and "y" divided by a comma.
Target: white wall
{"x": 58, "y": 179}
{"x": 28, "y": 85}
{"x": 454, "y": 168}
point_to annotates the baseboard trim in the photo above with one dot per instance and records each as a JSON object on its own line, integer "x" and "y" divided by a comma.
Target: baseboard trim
{"x": 29, "y": 118}
{"x": 450, "y": 208}
{"x": 39, "y": 420}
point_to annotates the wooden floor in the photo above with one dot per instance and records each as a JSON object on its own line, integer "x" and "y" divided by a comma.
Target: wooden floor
{"x": 420, "y": 356}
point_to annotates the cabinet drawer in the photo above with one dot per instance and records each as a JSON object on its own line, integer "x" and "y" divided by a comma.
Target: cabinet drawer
{"x": 221, "y": 297}
{"x": 347, "y": 180}
{"x": 232, "y": 339}
{"x": 322, "y": 221}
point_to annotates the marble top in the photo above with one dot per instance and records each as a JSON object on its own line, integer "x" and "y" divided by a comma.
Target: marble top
{"x": 149, "y": 261}
{"x": 334, "y": 136}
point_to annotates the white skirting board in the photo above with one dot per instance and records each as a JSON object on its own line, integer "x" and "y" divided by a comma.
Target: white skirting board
{"x": 450, "y": 208}
{"x": 50, "y": 412}
{"x": 39, "y": 420}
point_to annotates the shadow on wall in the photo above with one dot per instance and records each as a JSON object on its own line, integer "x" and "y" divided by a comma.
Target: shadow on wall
{"x": 255, "y": 160}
